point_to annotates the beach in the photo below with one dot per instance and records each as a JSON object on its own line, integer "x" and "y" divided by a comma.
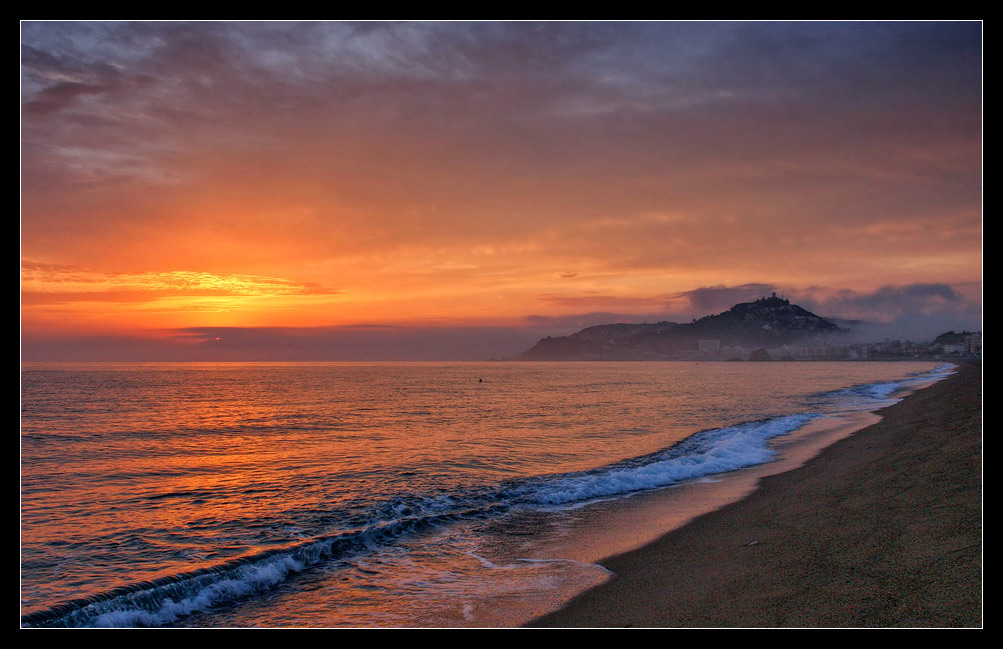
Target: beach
{"x": 419, "y": 495}
{"x": 881, "y": 529}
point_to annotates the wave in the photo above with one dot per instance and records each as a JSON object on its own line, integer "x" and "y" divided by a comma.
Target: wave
{"x": 871, "y": 396}
{"x": 164, "y": 601}
{"x": 703, "y": 454}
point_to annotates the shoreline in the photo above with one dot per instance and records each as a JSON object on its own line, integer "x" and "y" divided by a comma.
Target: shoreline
{"x": 881, "y": 529}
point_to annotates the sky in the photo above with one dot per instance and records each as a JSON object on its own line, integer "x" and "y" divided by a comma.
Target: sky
{"x": 456, "y": 190}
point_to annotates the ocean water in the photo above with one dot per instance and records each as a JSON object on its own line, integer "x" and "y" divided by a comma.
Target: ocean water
{"x": 374, "y": 495}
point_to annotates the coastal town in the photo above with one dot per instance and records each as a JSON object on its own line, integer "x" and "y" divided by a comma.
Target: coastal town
{"x": 947, "y": 346}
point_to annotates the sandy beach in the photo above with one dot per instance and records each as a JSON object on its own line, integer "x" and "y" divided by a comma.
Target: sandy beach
{"x": 882, "y": 529}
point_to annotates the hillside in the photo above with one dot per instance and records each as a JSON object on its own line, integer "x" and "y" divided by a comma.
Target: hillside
{"x": 766, "y": 323}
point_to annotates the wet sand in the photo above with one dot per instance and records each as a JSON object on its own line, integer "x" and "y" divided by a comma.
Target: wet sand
{"x": 882, "y": 529}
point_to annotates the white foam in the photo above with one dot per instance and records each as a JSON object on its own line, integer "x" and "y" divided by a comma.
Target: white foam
{"x": 704, "y": 454}
{"x": 248, "y": 579}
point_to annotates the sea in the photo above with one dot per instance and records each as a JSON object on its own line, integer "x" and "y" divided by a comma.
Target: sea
{"x": 387, "y": 495}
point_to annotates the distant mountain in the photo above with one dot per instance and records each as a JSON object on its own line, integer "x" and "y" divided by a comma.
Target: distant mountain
{"x": 767, "y": 322}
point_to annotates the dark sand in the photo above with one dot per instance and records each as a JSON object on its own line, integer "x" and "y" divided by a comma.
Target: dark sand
{"x": 882, "y": 529}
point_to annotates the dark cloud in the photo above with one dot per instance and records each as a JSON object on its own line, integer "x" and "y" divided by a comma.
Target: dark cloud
{"x": 716, "y": 299}
{"x": 351, "y": 343}
{"x": 585, "y": 301}
{"x": 557, "y": 70}
{"x": 890, "y": 302}
{"x": 913, "y": 311}
{"x": 58, "y": 97}
{"x": 520, "y": 104}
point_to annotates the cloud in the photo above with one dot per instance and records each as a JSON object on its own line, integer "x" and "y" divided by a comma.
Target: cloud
{"x": 584, "y": 301}
{"x": 52, "y": 283}
{"x": 918, "y": 311}
{"x": 262, "y": 344}
{"x": 630, "y": 160}
{"x": 60, "y": 96}
{"x": 889, "y": 303}
{"x": 716, "y": 299}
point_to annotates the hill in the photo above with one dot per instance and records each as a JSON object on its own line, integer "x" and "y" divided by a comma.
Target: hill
{"x": 769, "y": 322}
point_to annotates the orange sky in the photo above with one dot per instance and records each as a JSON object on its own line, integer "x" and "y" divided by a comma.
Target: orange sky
{"x": 534, "y": 177}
